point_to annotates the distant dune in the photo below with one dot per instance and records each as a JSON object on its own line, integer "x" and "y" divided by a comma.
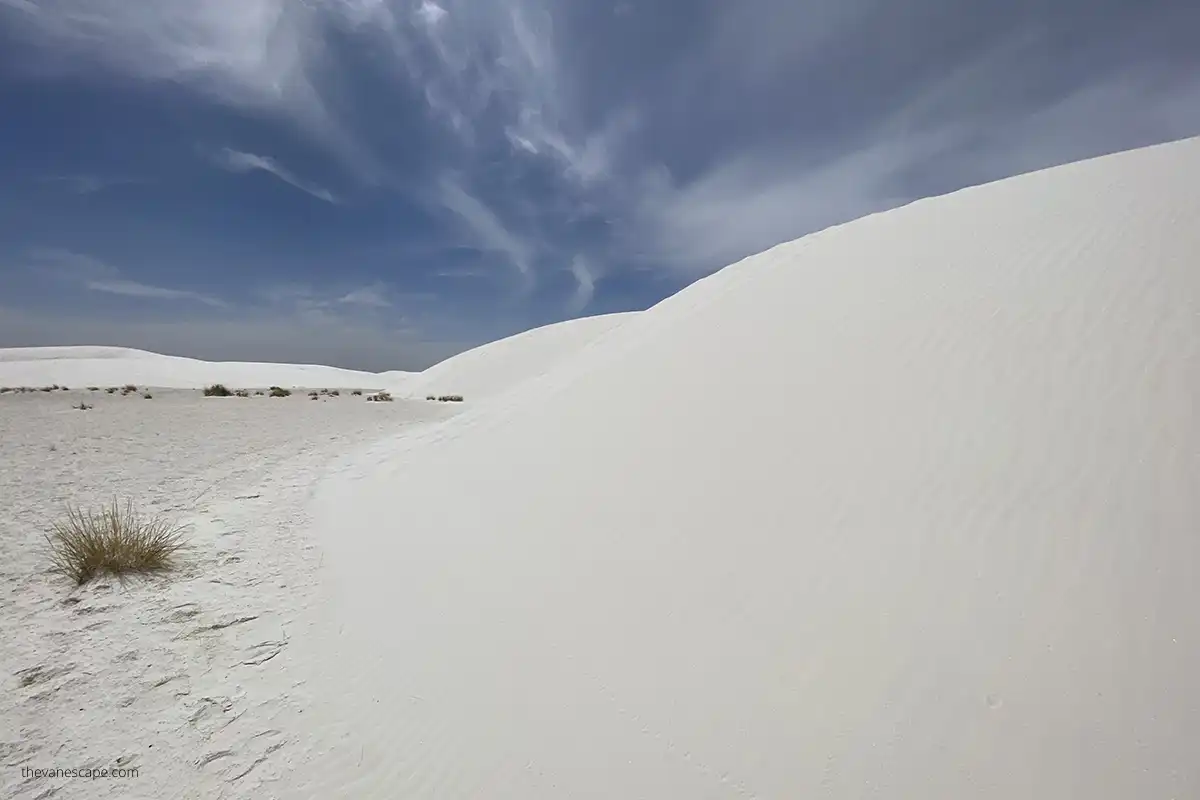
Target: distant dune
{"x": 479, "y": 373}
{"x": 906, "y": 508}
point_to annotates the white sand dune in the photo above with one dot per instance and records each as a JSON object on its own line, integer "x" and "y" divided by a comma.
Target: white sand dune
{"x": 906, "y": 508}
{"x": 500, "y": 366}
{"x": 117, "y": 366}
{"x": 903, "y": 509}
{"x": 477, "y": 374}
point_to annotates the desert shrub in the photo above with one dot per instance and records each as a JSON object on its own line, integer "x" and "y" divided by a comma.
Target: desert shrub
{"x": 430, "y": 397}
{"x": 314, "y": 397}
{"x": 147, "y": 396}
{"x": 63, "y": 389}
{"x": 335, "y": 393}
{"x": 116, "y": 539}
{"x": 129, "y": 388}
{"x": 314, "y": 394}
{"x": 217, "y": 390}
{"x": 279, "y": 391}
{"x": 111, "y": 390}
{"x": 259, "y": 393}
{"x": 242, "y": 393}
{"x": 93, "y": 388}
{"x": 49, "y": 388}
{"x": 381, "y": 397}
{"x": 5, "y": 389}
{"x": 451, "y": 398}
{"x": 357, "y": 393}
{"x": 82, "y": 407}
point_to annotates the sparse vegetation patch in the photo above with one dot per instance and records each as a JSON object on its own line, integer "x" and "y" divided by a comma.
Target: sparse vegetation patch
{"x": 217, "y": 390}
{"x": 380, "y": 397}
{"x": 279, "y": 391}
{"x": 115, "y": 539}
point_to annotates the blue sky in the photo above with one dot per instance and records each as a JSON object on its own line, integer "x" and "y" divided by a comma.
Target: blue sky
{"x": 381, "y": 183}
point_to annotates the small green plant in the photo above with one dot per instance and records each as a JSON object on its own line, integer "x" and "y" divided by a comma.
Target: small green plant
{"x": 115, "y": 539}
{"x": 217, "y": 390}
{"x": 279, "y": 391}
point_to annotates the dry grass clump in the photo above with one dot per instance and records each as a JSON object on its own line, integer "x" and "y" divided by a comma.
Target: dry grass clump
{"x": 217, "y": 390}
{"x": 279, "y": 391}
{"x": 380, "y": 397}
{"x": 116, "y": 540}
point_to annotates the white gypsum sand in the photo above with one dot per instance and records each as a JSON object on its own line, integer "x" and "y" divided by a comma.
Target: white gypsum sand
{"x": 184, "y": 678}
{"x": 903, "y": 509}
{"x": 76, "y": 367}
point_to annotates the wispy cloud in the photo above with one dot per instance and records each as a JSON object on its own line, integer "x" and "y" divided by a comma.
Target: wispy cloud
{"x": 367, "y": 296}
{"x": 84, "y": 271}
{"x": 135, "y": 289}
{"x": 237, "y": 161}
{"x": 485, "y": 228}
{"x": 585, "y": 285}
